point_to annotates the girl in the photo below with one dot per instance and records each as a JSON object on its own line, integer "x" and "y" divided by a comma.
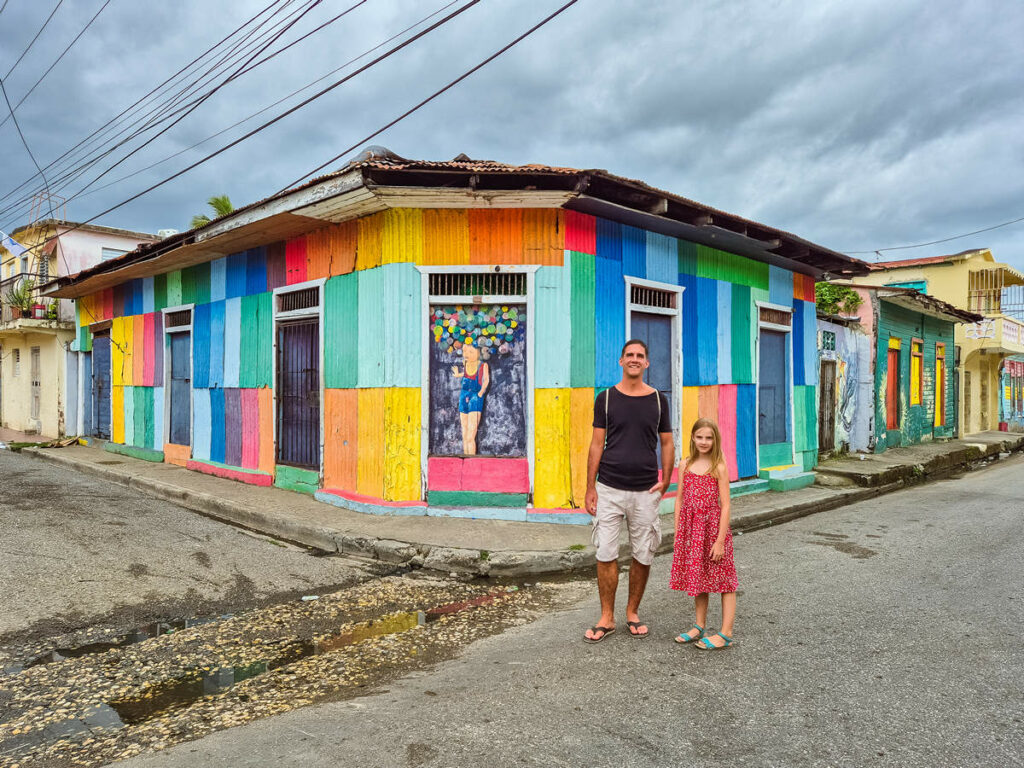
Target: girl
{"x": 702, "y": 561}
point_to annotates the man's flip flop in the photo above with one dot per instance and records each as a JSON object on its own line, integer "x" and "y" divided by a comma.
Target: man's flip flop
{"x": 598, "y": 628}
{"x": 636, "y": 625}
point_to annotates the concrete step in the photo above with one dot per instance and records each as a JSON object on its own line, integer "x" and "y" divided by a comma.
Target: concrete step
{"x": 747, "y": 487}
{"x": 791, "y": 482}
{"x": 781, "y": 471}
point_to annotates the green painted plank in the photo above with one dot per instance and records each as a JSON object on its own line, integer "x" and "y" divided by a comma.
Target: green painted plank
{"x": 146, "y": 454}
{"x": 159, "y": 292}
{"x": 295, "y": 479}
{"x": 475, "y": 499}
{"x": 402, "y": 329}
{"x": 141, "y": 420}
{"x": 742, "y": 338}
{"x": 687, "y": 257}
{"x": 255, "y": 363}
{"x": 174, "y": 288}
{"x": 341, "y": 330}
{"x": 583, "y": 276}
{"x": 775, "y": 455}
{"x": 553, "y": 288}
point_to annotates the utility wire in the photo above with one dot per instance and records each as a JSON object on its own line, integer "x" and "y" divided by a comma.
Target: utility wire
{"x": 56, "y": 61}
{"x": 15, "y": 64}
{"x": 936, "y": 242}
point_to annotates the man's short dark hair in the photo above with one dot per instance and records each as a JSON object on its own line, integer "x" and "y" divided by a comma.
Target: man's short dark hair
{"x": 629, "y": 343}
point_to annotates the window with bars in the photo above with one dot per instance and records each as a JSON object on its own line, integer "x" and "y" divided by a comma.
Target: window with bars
{"x": 775, "y": 316}
{"x": 828, "y": 340}
{"x": 643, "y": 296}
{"x": 304, "y": 298}
{"x": 478, "y": 284}
{"x": 178, "y": 319}
{"x": 985, "y": 289}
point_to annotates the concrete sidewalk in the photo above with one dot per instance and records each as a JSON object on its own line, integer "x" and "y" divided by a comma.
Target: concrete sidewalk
{"x": 495, "y": 547}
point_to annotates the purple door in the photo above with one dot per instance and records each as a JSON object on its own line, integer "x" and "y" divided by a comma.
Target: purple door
{"x": 181, "y": 389}
{"x": 773, "y": 402}
{"x": 101, "y": 385}
{"x": 298, "y": 394}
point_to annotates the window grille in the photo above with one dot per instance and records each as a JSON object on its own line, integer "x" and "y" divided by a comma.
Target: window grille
{"x": 175, "y": 319}
{"x": 828, "y": 340}
{"x": 775, "y": 316}
{"x": 984, "y": 290}
{"x": 305, "y": 298}
{"x": 477, "y": 284}
{"x": 652, "y": 297}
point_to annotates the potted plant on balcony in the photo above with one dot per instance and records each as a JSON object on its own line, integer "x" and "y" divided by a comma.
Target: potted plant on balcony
{"x": 20, "y": 299}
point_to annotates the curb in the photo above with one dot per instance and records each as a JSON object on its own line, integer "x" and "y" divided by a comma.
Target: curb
{"x": 474, "y": 562}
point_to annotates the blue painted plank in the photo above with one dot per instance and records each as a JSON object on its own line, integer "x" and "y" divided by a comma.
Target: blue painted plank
{"x": 148, "y": 296}
{"x": 609, "y": 320}
{"x": 746, "y": 430}
{"x": 707, "y": 330}
{"x": 724, "y": 332}
{"x": 609, "y": 239}
{"x": 797, "y": 340}
{"x": 201, "y": 346}
{"x": 218, "y": 279}
{"x": 371, "y": 327}
{"x": 255, "y": 270}
{"x": 634, "y": 252}
{"x": 158, "y": 419}
{"x": 691, "y": 369}
{"x": 402, "y": 330}
{"x": 232, "y": 340}
{"x": 810, "y": 346}
{"x": 216, "y": 344}
{"x": 553, "y": 289}
{"x": 201, "y": 424}
{"x": 662, "y": 258}
{"x": 780, "y": 286}
{"x": 217, "y": 425}
{"x": 129, "y": 415}
{"x": 235, "y": 275}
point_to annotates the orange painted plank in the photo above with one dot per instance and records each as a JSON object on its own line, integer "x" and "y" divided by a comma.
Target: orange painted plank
{"x": 445, "y": 236}
{"x": 369, "y": 241}
{"x": 543, "y": 236}
{"x": 341, "y": 438}
{"x": 581, "y": 419}
{"x": 318, "y": 253}
{"x": 496, "y": 236}
{"x": 177, "y": 454}
{"x": 266, "y": 407}
{"x": 343, "y": 247}
{"x": 707, "y": 403}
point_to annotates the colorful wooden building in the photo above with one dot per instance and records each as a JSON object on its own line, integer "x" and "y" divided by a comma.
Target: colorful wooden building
{"x": 915, "y": 365}
{"x": 428, "y": 337}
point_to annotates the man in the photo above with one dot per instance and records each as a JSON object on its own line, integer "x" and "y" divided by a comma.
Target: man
{"x": 622, "y": 484}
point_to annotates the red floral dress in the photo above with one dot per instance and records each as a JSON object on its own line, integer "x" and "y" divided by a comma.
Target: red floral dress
{"x": 693, "y": 570}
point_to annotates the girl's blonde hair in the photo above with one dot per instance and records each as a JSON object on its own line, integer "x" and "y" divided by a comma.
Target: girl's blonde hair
{"x": 716, "y": 448}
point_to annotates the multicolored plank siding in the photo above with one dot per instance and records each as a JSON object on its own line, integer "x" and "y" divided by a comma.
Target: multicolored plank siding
{"x": 373, "y": 388}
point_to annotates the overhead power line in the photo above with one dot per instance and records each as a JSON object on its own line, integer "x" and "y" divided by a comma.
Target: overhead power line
{"x": 937, "y": 242}
{"x": 33, "y": 42}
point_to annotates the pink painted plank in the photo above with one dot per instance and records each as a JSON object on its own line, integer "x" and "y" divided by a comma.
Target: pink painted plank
{"x": 496, "y": 475}
{"x": 295, "y": 260}
{"x": 580, "y": 232}
{"x": 364, "y": 499}
{"x": 444, "y": 474}
{"x": 727, "y": 426}
{"x": 250, "y": 428}
{"x": 149, "y": 349}
{"x": 253, "y": 478}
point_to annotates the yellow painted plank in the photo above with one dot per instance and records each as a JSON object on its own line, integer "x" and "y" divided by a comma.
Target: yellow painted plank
{"x": 370, "y": 469}
{"x": 117, "y": 414}
{"x": 551, "y": 487}
{"x": 402, "y": 444}
{"x": 581, "y": 419}
{"x": 128, "y": 334}
{"x": 403, "y": 236}
{"x": 690, "y": 400}
{"x": 369, "y": 241}
{"x": 117, "y": 351}
{"x": 445, "y": 236}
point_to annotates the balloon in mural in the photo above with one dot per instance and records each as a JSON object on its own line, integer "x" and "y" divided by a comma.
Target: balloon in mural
{"x": 492, "y": 329}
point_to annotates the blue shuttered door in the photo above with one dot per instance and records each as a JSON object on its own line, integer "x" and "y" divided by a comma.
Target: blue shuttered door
{"x": 772, "y": 399}
{"x": 298, "y": 394}
{"x": 181, "y": 389}
{"x": 101, "y": 386}
{"x": 656, "y": 330}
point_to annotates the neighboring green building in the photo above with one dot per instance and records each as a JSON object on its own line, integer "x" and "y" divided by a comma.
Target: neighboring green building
{"x": 914, "y": 361}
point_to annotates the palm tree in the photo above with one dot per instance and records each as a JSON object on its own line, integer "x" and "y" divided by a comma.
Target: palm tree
{"x": 221, "y": 205}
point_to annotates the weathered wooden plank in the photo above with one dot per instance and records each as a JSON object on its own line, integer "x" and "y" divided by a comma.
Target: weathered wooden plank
{"x": 343, "y": 248}
{"x": 581, "y": 419}
{"x": 341, "y": 438}
{"x": 148, "y": 297}
{"x": 277, "y": 268}
{"x": 129, "y": 416}
{"x": 553, "y": 291}
{"x": 119, "y": 300}
{"x": 159, "y": 344}
{"x": 609, "y": 320}
{"x": 217, "y": 335}
{"x": 148, "y": 355}
{"x": 403, "y": 236}
{"x": 233, "y": 426}
{"x": 402, "y": 444}
{"x": 724, "y": 334}
{"x": 544, "y": 236}
{"x": 707, "y": 402}
{"x": 341, "y": 332}
{"x": 159, "y": 297}
{"x": 370, "y": 464}
{"x": 117, "y": 352}
{"x": 580, "y": 233}
{"x": 496, "y": 236}
{"x": 157, "y": 443}
{"x": 403, "y": 326}
{"x": 232, "y": 341}
{"x": 582, "y": 355}
{"x": 690, "y": 414}
{"x": 143, "y": 415}
{"x": 217, "y": 426}
{"x": 295, "y": 260}
{"x": 728, "y": 427}
{"x": 373, "y": 314}
{"x": 369, "y": 241}
{"x": 116, "y": 411}
{"x": 445, "y": 236}
{"x": 552, "y": 471}
{"x": 662, "y": 258}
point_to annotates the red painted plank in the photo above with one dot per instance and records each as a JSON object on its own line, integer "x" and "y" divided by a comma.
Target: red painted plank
{"x": 496, "y": 475}
{"x": 362, "y": 498}
{"x": 253, "y": 478}
{"x": 250, "y": 428}
{"x": 444, "y": 474}
{"x": 727, "y": 427}
{"x": 295, "y": 260}
{"x": 580, "y": 233}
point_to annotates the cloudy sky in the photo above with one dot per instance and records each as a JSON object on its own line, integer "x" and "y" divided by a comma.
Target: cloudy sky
{"x": 859, "y": 125}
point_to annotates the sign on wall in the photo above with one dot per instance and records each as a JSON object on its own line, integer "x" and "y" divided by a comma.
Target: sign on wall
{"x": 985, "y": 329}
{"x": 478, "y": 380}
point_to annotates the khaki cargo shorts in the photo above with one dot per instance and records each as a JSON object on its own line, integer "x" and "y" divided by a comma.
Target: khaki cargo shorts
{"x": 640, "y": 511}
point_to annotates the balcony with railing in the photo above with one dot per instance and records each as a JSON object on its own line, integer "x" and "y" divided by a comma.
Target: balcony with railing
{"x": 23, "y": 307}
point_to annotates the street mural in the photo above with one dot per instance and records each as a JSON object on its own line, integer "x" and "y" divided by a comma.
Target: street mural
{"x": 478, "y": 380}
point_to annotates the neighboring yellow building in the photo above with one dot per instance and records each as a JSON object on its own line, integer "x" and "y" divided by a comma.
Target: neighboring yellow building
{"x": 975, "y": 281}
{"x": 37, "y": 333}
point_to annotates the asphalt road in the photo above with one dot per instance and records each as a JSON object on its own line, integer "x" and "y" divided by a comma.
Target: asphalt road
{"x": 77, "y": 552}
{"x": 887, "y": 633}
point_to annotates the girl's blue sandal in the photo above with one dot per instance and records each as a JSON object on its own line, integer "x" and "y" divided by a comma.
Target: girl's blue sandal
{"x": 706, "y": 645}
{"x": 685, "y": 638}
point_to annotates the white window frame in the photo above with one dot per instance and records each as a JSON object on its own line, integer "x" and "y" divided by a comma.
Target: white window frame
{"x": 426, "y": 301}
{"x": 191, "y": 308}
{"x": 788, "y": 330}
{"x": 675, "y": 406}
{"x": 299, "y": 314}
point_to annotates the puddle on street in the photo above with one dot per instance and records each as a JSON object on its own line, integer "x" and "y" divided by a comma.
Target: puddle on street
{"x": 854, "y": 550}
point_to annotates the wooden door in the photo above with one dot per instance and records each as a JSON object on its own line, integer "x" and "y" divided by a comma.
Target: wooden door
{"x": 36, "y": 384}
{"x": 827, "y": 407}
{"x": 180, "y": 417}
{"x": 298, "y": 394}
{"x": 101, "y": 386}
{"x": 773, "y": 403}
{"x": 892, "y": 390}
